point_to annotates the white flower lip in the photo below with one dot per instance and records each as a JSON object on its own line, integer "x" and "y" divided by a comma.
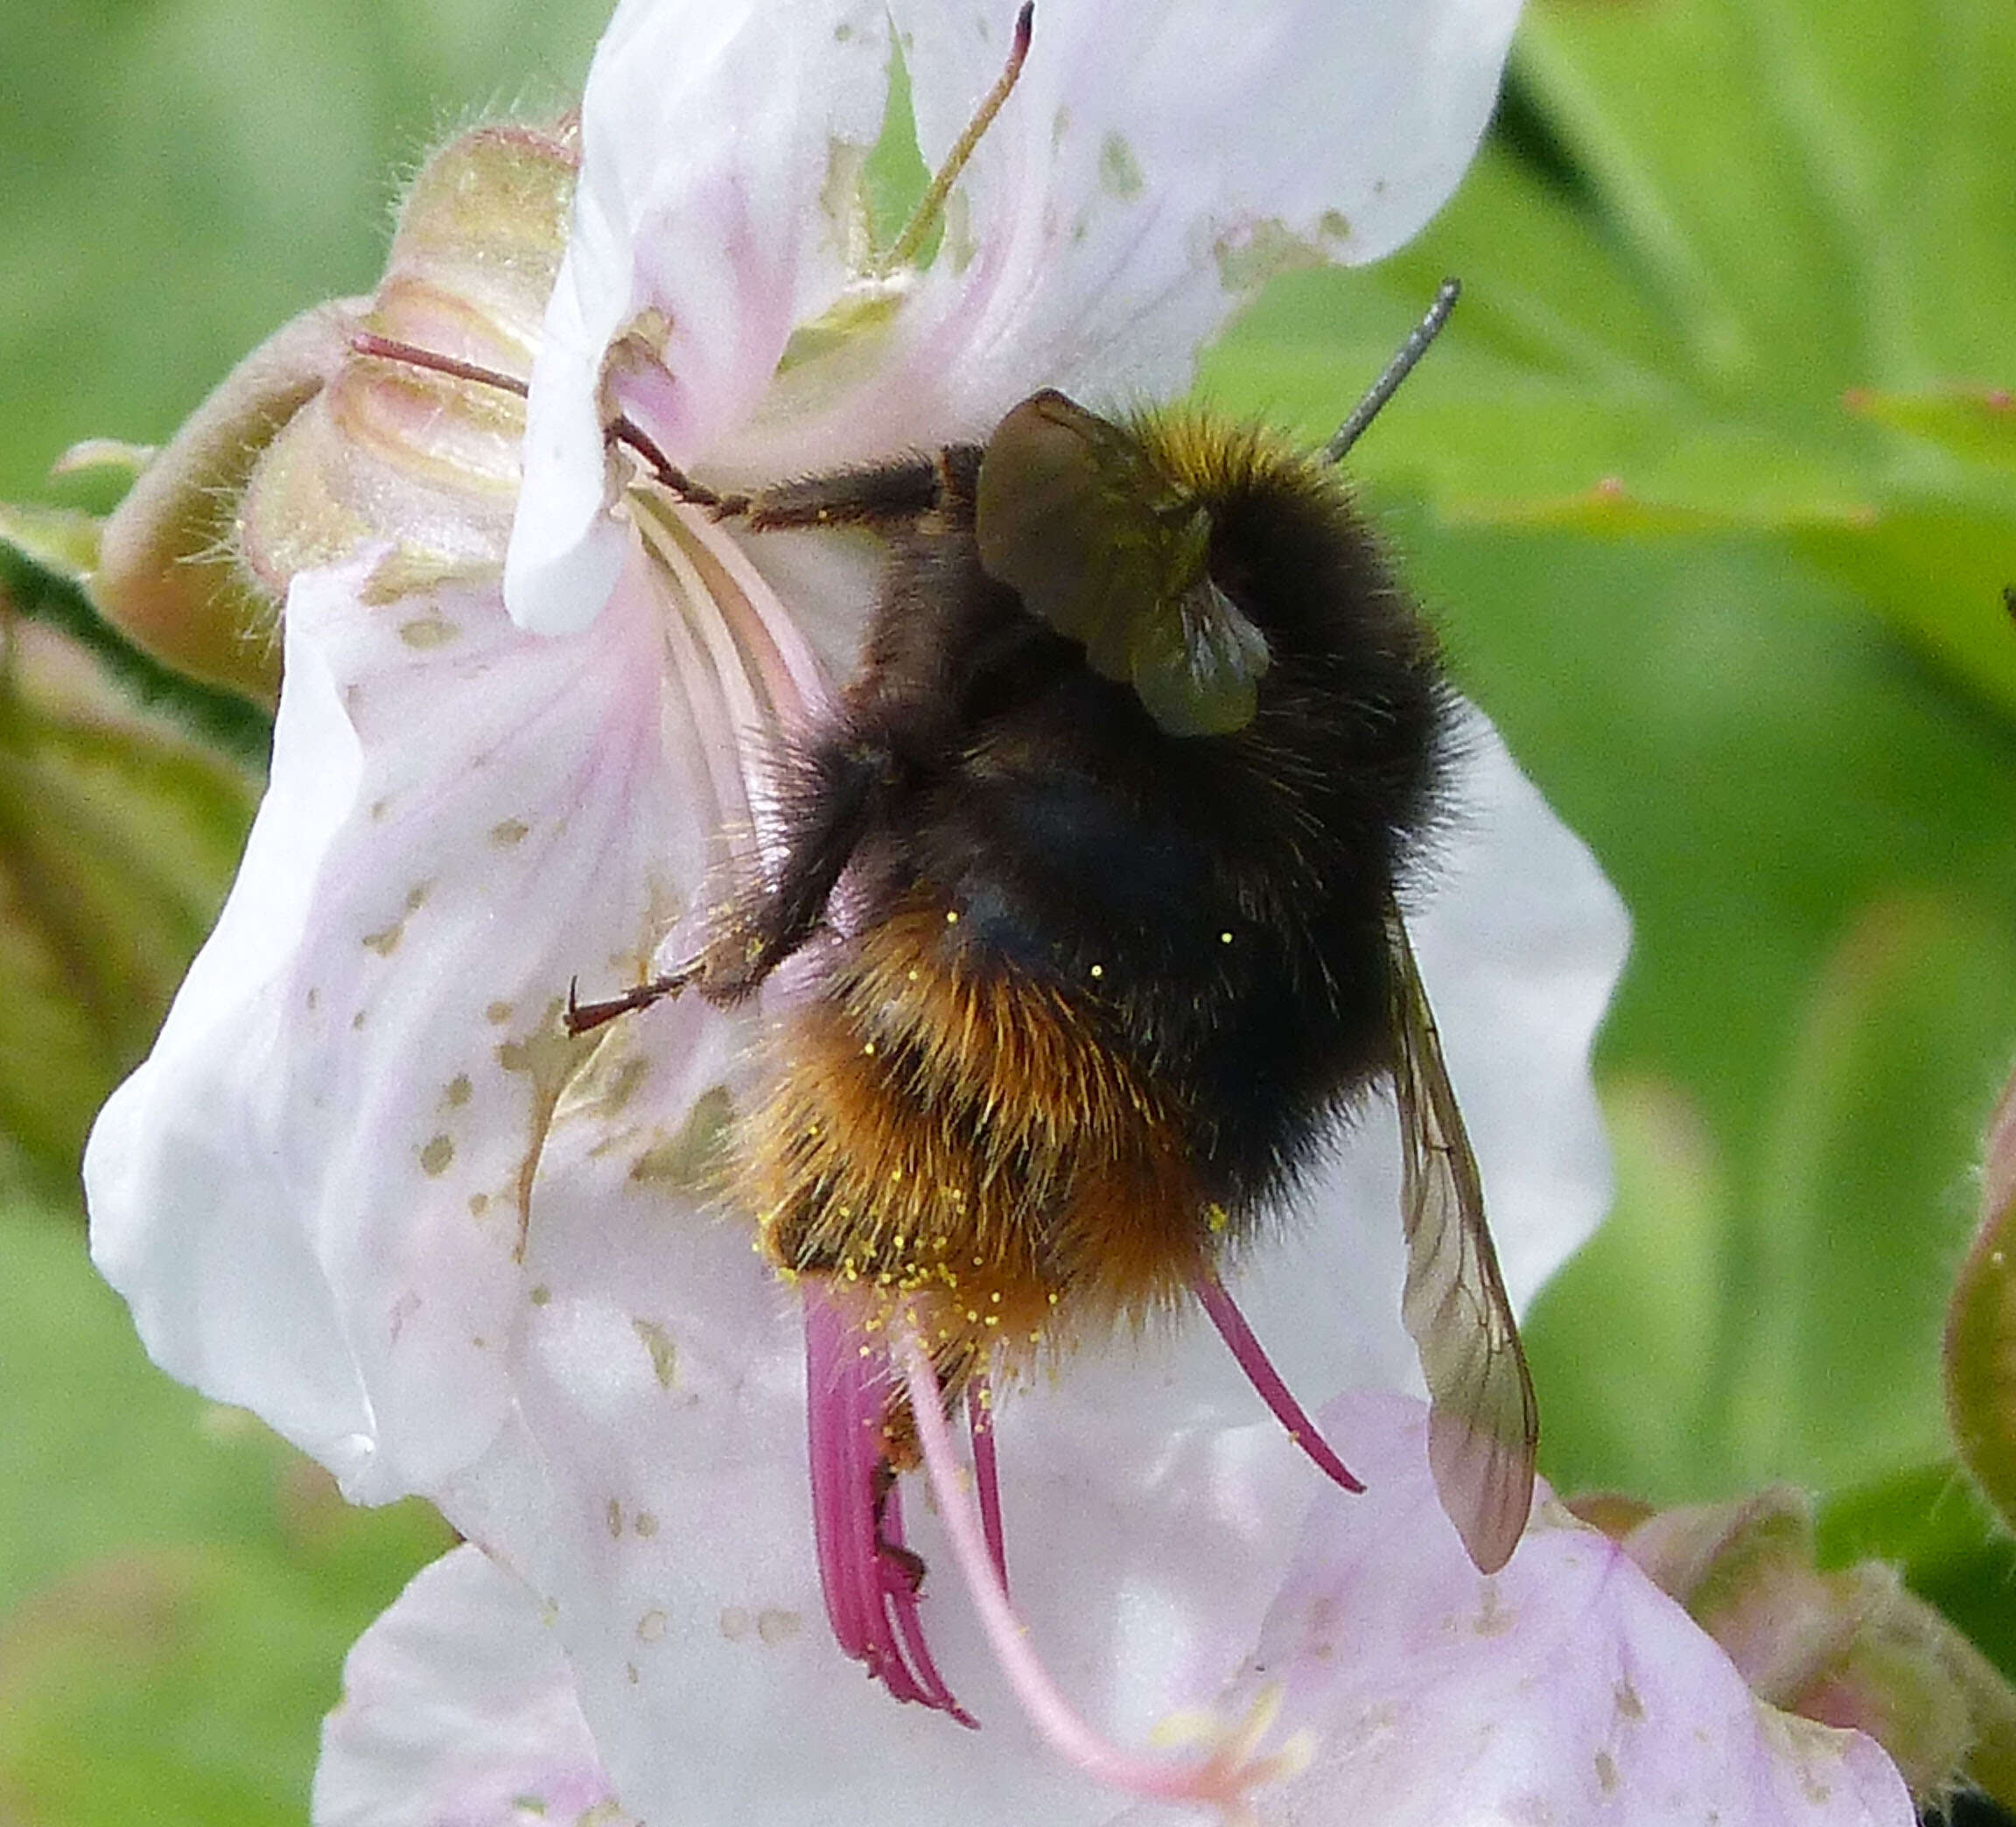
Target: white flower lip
{"x": 366, "y": 1186}
{"x": 1567, "y": 1688}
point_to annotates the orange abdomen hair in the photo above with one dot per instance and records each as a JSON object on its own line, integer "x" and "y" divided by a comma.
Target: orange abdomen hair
{"x": 948, "y": 1134}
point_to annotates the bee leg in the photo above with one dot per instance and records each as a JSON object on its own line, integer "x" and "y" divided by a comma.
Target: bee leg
{"x": 879, "y": 496}
{"x": 908, "y": 1563}
{"x": 832, "y": 799}
{"x": 583, "y": 1018}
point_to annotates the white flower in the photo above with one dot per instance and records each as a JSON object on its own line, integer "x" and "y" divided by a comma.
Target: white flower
{"x": 1155, "y": 164}
{"x": 367, "y": 1185}
{"x": 1567, "y": 1688}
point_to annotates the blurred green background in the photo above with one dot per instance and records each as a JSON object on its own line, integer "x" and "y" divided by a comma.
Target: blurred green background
{"x": 1710, "y": 487}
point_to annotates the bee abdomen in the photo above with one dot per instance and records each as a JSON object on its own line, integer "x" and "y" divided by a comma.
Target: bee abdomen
{"x": 950, "y": 1138}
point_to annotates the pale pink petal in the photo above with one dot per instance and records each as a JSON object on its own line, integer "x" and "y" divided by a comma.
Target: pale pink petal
{"x": 459, "y": 1711}
{"x": 1152, "y": 167}
{"x": 715, "y": 135}
{"x": 1566, "y": 1689}
{"x": 311, "y": 1192}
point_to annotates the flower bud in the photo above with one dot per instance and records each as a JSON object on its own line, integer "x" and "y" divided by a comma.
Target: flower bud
{"x": 310, "y": 448}
{"x": 1851, "y": 1648}
{"x": 394, "y": 452}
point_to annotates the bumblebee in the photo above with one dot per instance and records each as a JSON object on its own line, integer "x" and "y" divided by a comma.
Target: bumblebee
{"x": 1097, "y": 866}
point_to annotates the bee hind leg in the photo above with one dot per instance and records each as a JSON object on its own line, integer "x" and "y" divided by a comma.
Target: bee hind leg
{"x": 583, "y": 1018}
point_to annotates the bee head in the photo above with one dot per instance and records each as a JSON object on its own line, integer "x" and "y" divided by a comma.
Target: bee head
{"x": 1111, "y": 545}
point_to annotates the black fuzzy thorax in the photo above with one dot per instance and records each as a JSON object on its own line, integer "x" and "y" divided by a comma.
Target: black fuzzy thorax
{"x": 1217, "y": 905}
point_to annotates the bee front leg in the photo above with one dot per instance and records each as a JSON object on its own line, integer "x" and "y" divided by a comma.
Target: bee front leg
{"x": 882, "y": 497}
{"x": 831, "y": 795}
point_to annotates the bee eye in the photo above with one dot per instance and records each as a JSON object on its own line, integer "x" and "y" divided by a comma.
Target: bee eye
{"x": 1068, "y": 516}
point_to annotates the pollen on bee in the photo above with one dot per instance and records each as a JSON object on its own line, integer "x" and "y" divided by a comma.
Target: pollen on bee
{"x": 1216, "y": 1218}
{"x": 951, "y": 916}
{"x": 1098, "y": 970}
{"x": 1224, "y": 938}
{"x": 868, "y": 1047}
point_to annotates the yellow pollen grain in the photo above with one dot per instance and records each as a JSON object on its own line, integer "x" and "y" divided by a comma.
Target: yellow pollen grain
{"x": 1224, "y": 938}
{"x": 951, "y": 916}
{"x": 1098, "y": 970}
{"x": 869, "y": 1048}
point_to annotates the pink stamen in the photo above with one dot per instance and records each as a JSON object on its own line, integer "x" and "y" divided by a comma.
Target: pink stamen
{"x": 1261, "y": 1372}
{"x": 987, "y": 1471}
{"x": 1214, "y": 1780}
{"x": 869, "y": 1599}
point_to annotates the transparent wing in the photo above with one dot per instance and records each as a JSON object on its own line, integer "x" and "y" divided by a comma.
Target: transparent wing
{"x": 1483, "y": 1424}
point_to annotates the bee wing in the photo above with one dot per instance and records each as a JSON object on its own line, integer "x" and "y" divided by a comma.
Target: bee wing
{"x": 1483, "y": 1423}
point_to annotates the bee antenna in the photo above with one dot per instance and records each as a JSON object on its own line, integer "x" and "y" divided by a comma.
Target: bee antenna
{"x": 940, "y": 187}
{"x": 1398, "y": 370}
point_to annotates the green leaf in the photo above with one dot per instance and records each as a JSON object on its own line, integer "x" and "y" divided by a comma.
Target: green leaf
{"x": 1954, "y": 1552}
{"x": 117, "y": 839}
{"x": 1978, "y": 422}
{"x": 63, "y": 541}
{"x": 1981, "y": 1326}
{"x": 1738, "y": 263}
{"x": 1836, "y": 1370}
